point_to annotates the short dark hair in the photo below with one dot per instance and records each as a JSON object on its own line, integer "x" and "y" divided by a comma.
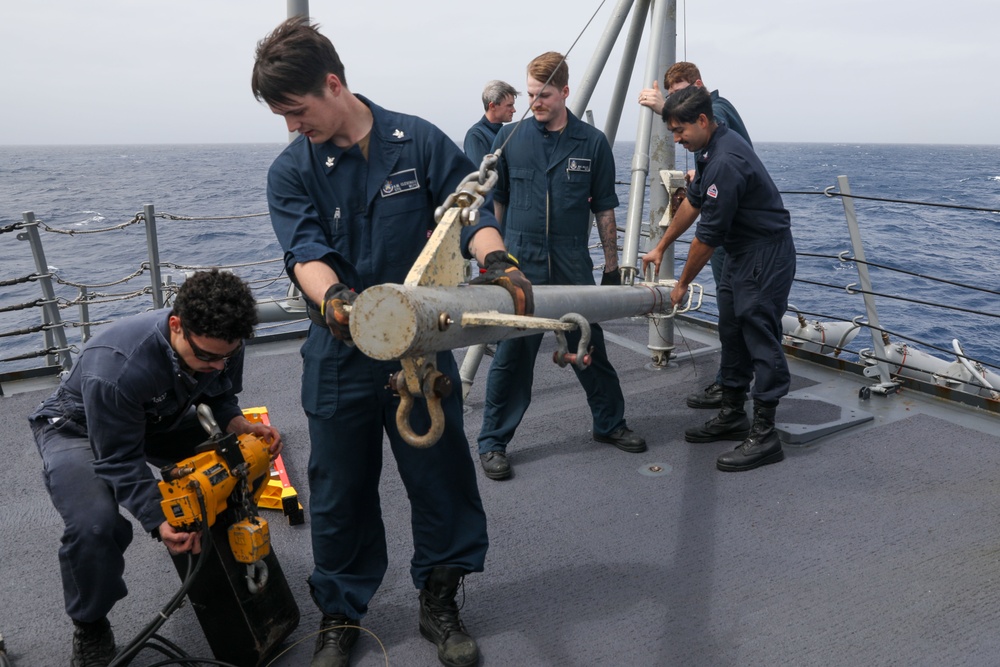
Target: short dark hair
{"x": 294, "y": 60}
{"x": 687, "y": 104}
{"x": 217, "y": 305}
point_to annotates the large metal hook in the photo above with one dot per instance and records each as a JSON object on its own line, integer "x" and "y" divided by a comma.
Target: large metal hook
{"x": 562, "y": 356}
{"x": 436, "y": 386}
{"x": 256, "y": 576}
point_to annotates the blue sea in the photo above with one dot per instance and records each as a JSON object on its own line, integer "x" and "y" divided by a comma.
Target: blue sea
{"x": 87, "y": 188}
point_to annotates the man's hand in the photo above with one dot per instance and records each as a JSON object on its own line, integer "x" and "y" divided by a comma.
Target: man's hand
{"x": 502, "y": 270}
{"x": 240, "y": 424}
{"x": 612, "y": 277}
{"x": 332, "y": 309}
{"x": 178, "y": 542}
{"x": 652, "y": 98}
{"x": 677, "y": 294}
{"x": 654, "y": 257}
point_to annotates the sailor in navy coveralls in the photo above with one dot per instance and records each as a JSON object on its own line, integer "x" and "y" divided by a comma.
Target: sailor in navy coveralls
{"x": 498, "y": 104}
{"x": 554, "y": 170}
{"x": 352, "y": 203}
{"x": 681, "y": 75}
{"x": 741, "y": 209}
{"x": 129, "y": 400}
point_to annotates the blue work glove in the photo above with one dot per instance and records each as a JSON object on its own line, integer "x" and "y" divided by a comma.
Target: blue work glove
{"x": 611, "y": 277}
{"x": 502, "y": 269}
{"x": 332, "y": 310}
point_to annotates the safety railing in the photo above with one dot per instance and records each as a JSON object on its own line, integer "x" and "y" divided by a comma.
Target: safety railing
{"x": 828, "y": 287}
{"x": 98, "y": 285}
{"x": 108, "y": 289}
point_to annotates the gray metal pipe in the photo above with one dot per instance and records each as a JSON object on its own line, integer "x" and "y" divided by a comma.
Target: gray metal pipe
{"x": 600, "y": 57}
{"x": 297, "y": 8}
{"x": 661, "y": 157}
{"x": 153, "y": 249}
{"x": 56, "y": 335}
{"x": 392, "y": 321}
{"x": 640, "y": 161}
{"x": 661, "y": 143}
{"x": 632, "y": 40}
{"x": 865, "y": 279}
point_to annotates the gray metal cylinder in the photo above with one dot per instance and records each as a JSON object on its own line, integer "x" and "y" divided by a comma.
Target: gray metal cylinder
{"x": 393, "y": 321}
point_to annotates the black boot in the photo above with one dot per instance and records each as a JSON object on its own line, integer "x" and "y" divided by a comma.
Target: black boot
{"x": 338, "y": 634}
{"x": 708, "y": 398}
{"x": 93, "y": 644}
{"x": 730, "y": 424}
{"x": 760, "y": 448}
{"x": 439, "y": 621}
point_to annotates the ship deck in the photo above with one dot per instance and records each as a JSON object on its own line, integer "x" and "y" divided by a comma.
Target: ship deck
{"x": 871, "y": 546}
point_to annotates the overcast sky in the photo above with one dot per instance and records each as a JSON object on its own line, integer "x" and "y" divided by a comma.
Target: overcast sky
{"x": 178, "y": 71}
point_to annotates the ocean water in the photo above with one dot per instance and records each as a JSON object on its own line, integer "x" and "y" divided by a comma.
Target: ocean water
{"x": 87, "y": 188}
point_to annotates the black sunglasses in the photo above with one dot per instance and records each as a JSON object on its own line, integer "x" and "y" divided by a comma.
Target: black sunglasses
{"x": 209, "y": 357}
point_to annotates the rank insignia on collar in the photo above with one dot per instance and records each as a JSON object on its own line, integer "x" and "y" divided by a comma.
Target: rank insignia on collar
{"x": 330, "y": 161}
{"x": 398, "y": 134}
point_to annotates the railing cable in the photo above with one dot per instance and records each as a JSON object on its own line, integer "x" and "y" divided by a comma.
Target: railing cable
{"x": 39, "y": 353}
{"x": 173, "y": 216}
{"x": 851, "y": 289}
{"x": 843, "y": 257}
{"x": 17, "y": 281}
{"x": 828, "y": 192}
{"x": 21, "y": 332}
{"x": 21, "y": 306}
{"x": 73, "y": 232}
{"x": 138, "y": 272}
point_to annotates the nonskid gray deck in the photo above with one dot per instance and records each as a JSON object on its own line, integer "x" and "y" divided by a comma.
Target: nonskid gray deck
{"x": 873, "y": 546}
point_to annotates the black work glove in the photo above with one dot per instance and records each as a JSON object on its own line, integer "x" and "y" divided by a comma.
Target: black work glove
{"x": 332, "y": 310}
{"x": 613, "y": 277}
{"x": 502, "y": 269}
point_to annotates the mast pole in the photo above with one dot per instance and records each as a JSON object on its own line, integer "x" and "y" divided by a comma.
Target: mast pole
{"x": 297, "y": 8}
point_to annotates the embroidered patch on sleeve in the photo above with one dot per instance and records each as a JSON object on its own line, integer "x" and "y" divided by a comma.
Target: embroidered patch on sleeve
{"x": 713, "y": 191}
{"x": 401, "y": 181}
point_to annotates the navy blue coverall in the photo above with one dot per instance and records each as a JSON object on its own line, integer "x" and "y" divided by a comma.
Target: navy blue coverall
{"x": 125, "y": 401}
{"x": 369, "y": 220}
{"x": 742, "y": 211}
{"x": 479, "y": 139}
{"x": 725, "y": 114}
{"x": 550, "y": 183}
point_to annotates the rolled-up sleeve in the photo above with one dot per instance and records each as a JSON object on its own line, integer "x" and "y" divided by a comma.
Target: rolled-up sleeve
{"x": 603, "y": 195}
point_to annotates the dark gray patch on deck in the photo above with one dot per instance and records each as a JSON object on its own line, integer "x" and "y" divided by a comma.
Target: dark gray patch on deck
{"x": 875, "y": 548}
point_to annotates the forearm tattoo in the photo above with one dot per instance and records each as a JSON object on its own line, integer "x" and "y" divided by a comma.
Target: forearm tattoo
{"x": 608, "y": 233}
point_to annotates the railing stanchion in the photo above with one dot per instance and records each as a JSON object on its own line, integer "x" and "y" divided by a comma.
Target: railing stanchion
{"x": 55, "y": 335}
{"x": 881, "y": 366}
{"x": 154, "y": 255}
{"x": 84, "y": 314}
